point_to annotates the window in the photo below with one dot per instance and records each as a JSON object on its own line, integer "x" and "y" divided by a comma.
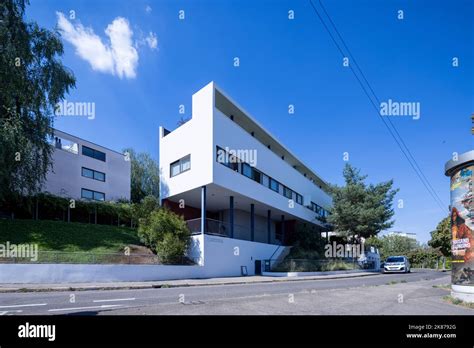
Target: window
{"x": 65, "y": 145}
{"x": 256, "y": 175}
{"x": 99, "y": 176}
{"x": 88, "y": 173}
{"x": 180, "y": 166}
{"x": 251, "y": 173}
{"x": 175, "y": 168}
{"x": 99, "y": 155}
{"x": 287, "y": 192}
{"x": 274, "y": 185}
{"x": 235, "y": 163}
{"x": 99, "y": 196}
{"x": 93, "y": 174}
{"x": 247, "y": 170}
{"x": 227, "y": 159}
{"x": 299, "y": 198}
{"x": 92, "y": 195}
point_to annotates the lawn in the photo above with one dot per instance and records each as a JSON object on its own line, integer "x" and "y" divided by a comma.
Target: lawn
{"x": 67, "y": 237}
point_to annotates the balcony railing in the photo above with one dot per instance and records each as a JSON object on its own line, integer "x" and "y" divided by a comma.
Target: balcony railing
{"x": 221, "y": 228}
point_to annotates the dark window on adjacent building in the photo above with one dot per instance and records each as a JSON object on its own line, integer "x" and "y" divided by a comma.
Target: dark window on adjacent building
{"x": 287, "y": 192}
{"x": 180, "y": 166}
{"x": 93, "y": 174}
{"x": 93, "y": 195}
{"x": 87, "y": 151}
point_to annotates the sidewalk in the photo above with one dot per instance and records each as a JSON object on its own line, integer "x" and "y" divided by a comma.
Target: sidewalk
{"x": 5, "y": 288}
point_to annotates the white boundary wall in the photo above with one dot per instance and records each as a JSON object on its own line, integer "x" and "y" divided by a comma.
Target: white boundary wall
{"x": 223, "y": 258}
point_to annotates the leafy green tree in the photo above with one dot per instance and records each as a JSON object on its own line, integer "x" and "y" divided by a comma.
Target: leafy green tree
{"x": 441, "y": 237}
{"x": 143, "y": 209}
{"x": 424, "y": 257}
{"x": 307, "y": 243}
{"x": 166, "y": 233}
{"x": 361, "y": 210}
{"x": 145, "y": 176}
{"x": 392, "y": 245}
{"x": 32, "y": 81}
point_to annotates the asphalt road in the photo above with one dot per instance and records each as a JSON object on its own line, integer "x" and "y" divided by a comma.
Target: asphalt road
{"x": 414, "y": 293}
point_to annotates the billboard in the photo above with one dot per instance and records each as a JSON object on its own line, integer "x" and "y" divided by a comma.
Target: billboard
{"x": 462, "y": 226}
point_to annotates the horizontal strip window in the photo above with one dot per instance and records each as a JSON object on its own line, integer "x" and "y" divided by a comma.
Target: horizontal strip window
{"x": 89, "y": 152}
{"x": 320, "y": 211}
{"x": 180, "y": 166}
{"x": 227, "y": 159}
{"x": 92, "y": 195}
{"x": 236, "y": 164}
{"x": 93, "y": 174}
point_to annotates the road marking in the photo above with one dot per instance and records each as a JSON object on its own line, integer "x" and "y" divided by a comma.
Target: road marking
{"x": 25, "y": 305}
{"x": 116, "y": 299}
{"x": 6, "y": 312}
{"x": 80, "y": 308}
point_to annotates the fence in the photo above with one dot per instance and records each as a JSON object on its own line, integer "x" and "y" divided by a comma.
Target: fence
{"x": 321, "y": 265}
{"x": 223, "y": 229}
{"x": 91, "y": 258}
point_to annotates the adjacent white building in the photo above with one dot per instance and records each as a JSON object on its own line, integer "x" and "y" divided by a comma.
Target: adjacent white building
{"x": 403, "y": 234}
{"x": 84, "y": 170}
{"x": 230, "y": 177}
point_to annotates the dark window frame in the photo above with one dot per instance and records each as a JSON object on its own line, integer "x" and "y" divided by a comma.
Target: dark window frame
{"x": 180, "y": 162}
{"x": 94, "y": 172}
{"x": 93, "y": 153}
{"x": 93, "y": 195}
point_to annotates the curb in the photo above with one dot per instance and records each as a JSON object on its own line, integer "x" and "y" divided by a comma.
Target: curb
{"x": 166, "y": 285}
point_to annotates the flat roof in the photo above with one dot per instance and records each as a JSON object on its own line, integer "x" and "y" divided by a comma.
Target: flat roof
{"x": 87, "y": 141}
{"x": 250, "y": 124}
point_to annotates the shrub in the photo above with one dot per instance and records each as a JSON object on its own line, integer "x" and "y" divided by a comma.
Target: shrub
{"x": 166, "y": 233}
{"x": 143, "y": 209}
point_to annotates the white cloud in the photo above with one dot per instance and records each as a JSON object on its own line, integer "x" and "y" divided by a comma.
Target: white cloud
{"x": 124, "y": 54}
{"x": 119, "y": 57}
{"x": 152, "y": 41}
{"x": 148, "y": 9}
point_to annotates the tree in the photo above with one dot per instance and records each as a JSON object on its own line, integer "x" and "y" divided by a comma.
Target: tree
{"x": 145, "y": 176}
{"x": 441, "y": 237}
{"x": 361, "y": 210}
{"x": 166, "y": 233}
{"x": 32, "y": 81}
{"x": 392, "y": 245}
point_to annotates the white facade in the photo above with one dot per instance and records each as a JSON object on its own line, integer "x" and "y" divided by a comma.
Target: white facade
{"x": 219, "y": 123}
{"x": 75, "y": 174}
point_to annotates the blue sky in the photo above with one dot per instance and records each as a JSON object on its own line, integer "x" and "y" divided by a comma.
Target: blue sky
{"x": 141, "y": 84}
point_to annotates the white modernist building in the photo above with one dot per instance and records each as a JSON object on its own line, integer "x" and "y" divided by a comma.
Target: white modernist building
{"x": 84, "y": 170}
{"x": 229, "y": 177}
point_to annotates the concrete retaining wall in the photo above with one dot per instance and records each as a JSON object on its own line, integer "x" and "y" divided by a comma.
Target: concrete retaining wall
{"x": 216, "y": 257}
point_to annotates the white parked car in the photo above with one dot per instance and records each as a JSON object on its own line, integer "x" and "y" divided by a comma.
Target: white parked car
{"x": 399, "y": 264}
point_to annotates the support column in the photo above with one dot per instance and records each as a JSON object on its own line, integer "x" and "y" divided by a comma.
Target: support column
{"x": 252, "y": 222}
{"x": 203, "y": 209}
{"x": 283, "y": 229}
{"x": 231, "y": 216}
{"x": 269, "y": 226}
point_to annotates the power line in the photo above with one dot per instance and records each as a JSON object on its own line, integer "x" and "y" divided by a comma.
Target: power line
{"x": 378, "y": 102}
{"x": 404, "y": 149}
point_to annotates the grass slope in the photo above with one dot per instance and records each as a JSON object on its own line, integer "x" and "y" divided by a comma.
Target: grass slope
{"x": 69, "y": 237}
